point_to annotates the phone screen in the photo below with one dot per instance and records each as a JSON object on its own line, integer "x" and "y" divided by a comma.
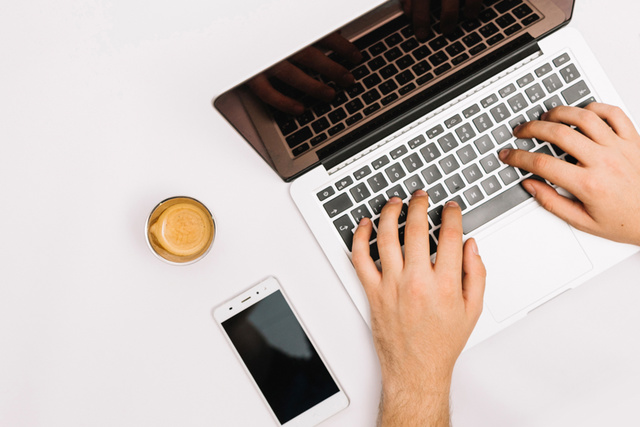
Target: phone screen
{"x": 280, "y": 357}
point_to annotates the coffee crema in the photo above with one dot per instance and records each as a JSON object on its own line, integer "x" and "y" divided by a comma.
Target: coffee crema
{"x": 180, "y": 230}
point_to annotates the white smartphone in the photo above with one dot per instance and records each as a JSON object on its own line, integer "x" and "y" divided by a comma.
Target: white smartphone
{"x": 279, "y": 356}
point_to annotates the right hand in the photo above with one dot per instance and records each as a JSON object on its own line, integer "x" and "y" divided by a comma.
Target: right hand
{"x": 606, "y": 180}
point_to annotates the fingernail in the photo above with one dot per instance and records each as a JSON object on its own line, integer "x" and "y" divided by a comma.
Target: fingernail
{"x": 527, "y": 186}
{"x": 347, "y": 79}
{"x": 544, "y": 116}
{"x": 421, "y": 33}
{"x": 474, "y": 246}
{"x": 328, "y": 93}
{"x": 395, "y": 200}
{"x": 504, "y": 154}
{"x": 451, "y": 204}
{"x": 364, "y": 221}
{"x": 419, "y": 193}
{"x": 517, "y": 129}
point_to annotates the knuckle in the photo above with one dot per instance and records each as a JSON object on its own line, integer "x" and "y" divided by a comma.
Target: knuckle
{"x": 540, "y": 162}
{"x": 448, "y": 232}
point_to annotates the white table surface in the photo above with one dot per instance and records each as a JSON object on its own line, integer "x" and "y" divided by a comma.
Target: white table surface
{"x": 105, "y": 109}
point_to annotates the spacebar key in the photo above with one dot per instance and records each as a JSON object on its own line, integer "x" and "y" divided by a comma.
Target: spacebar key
{"x": 493, "y": 208}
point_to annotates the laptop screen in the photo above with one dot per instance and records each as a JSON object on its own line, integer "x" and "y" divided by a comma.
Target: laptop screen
{"x": 379, "y": 72}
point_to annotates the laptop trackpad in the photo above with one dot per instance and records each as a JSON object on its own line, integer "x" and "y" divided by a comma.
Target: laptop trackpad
{"x": 527, "y": 260}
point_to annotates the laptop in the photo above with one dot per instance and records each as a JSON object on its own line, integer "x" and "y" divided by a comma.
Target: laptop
{"x": 433, "y": 114}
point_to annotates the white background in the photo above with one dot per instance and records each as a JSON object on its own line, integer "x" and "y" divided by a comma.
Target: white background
{"x": 105, "y": 109}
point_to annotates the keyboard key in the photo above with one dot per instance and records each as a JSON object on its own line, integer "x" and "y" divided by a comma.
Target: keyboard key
{"x": 378, "y": 163}
{"x": 525, "y": 80}
{"x": 517, "y": 121}
{"x": 483, "y": 144}
{"x": 541, "y": 71}
{"x": 421, "y": 52}
{"x": 466, "y": 154}
{"x": 393, "y": 54}
{"x": 287, "y": 126}
{"x": 371, "y": 109}
{"x": 530, "y": 19}
{"x": 465, "y": 132}
{"x": 360, "y": 72}
{"x": 449, "y": 164}
{"x": 372, "y": 81}
{"x": 552, "y": 83}
{"x": 395, "y": 172}
{"x": 477, "y": 49}
{"x": 471, "y": 39}
{"x": 421, "y": 67}
{"x": 507, "y": 90}
{"x": 535, "y": 113}
{"x": 447, "y": 142}
{"x": 431, "y": 174}
{"x": 560, "y": 60}
{"x": 377, "y": 49}
{"x": 534, "y": 93}
{"x": 493, "y": 208}
{"x": 499, "y": 112}
{"x": 512, "y": 29}
{"x": 320, "y": 125}
{"x": 300, "y": 149}
{"x": 501, "y": 134}
{"x": 373, "y": 251}
{"x": 487, "y": 15}
{"x": 337, "y": 128}
{"x": 438, "y": 43}
{"x": 436, "y": 215}
{"x": 345, "y": 227}
{"x": 517, "y": 103}
{"x": 406, "y": 89}
{"x": 525, "y": 144}
{"x": 355, "y": 90}
{"x": 522, "y": 11}
{"x": 299, "y": 137}
{"x": 471, "y": 111}
{"x": 371, "y": 96}
{"x": 398, "y": 151}
{"x": 412, "y": 162}
{"x": 470, "y": 24}
{"x": 505, "y": 5}
{"x": 337, "y": 115}
{"x": 413, "y": 184}
{"x": 586, "y": 102}
{"x": 490, "y": 163}
{"x": 360, "y": 212}
{"x": 319, "y": 138}
{"x": 338, "y": 205}
{"x": 354, "y": 106}
{"x": 508, "y": 175}
{"x": 575, "y": 92}
{"x": 482, "y": 122}
{"x": 473, "y": 195}
{"x": 435, "y": 131}
{"x": 454, "y": 49}
{"x": 553, "y": 102}
{"x": 388, "y": 71}
{"x": 436, "y": 194}
{"x": 491, "y": 185}
{"x": 569, "y": 73}
{"x": 408, "y": 45}
{"x": 472, "y": 173}
{"x": 417, "y": 141}
{"x": 362, "y": 172}
{"x": 495, "y": 39}
{"x": 344, "y": 183}
{"x": 489, "y": 100}
{"x": 405, "y": 62}
{"x": 404, "y": 77}
{"x": 396, "y": 191}
{"x": 452, "y": 121}
{"x": 377, "y": 182}
{"x": 326, "y": 193}
{"x": 393, "y": 39}
{"x": 377, "y": 203}
{"x": 430, "y": 152}
{"x": 454, "y": 183}
{"x": 505, "y": 20}
{"x": 441, "y": 69}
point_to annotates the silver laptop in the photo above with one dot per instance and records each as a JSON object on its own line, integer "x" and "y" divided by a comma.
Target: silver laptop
{"x": 433, "y": 114}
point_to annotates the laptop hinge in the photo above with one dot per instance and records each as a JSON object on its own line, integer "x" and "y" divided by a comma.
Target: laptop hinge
{"x": 426, "y": 103}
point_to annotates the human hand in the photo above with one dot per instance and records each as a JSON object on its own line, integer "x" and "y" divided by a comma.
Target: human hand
{"x": 606, "y": 179}
{"x": 419, "y": 11}
{"x": 312, "y": 58}
{"x": 421, "y": 313}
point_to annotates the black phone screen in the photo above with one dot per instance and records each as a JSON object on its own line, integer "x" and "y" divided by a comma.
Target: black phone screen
{"x": 280, "y": 357}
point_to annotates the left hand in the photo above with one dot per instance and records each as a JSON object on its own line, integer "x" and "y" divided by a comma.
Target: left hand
{"x": 422, "y": 314}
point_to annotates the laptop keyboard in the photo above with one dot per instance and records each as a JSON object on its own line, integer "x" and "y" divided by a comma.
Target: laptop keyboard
{"x": 457, "y": 158}
{"x": 395, "y": 64}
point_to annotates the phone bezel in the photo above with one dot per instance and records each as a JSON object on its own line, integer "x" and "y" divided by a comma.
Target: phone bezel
{"x": 246, "y": 299}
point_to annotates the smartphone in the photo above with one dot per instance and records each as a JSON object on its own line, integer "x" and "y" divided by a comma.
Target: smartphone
{"x": 279, "y": 356}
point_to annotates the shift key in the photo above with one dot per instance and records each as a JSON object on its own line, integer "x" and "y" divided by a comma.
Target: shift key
{"x": 493, "y": 208}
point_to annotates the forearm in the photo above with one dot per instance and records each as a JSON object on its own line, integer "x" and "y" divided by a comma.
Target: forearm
{"x": 424, "y": 408}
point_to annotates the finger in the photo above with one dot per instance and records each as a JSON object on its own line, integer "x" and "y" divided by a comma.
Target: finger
{"x": 365, "y": 266}
{"x": 262, "y": 88}
{"x": 449, "y": 255}
{"x": 616, "y": 118}
{"x": 316, "y": 60}
{"x": 587, "y": 121}
{"x": 406, "y": 7}
{"x": 473, "y": 282}
{"x": 571, "y": 211}
{"x": 295, "y": 77}
{"x": 416, "y": 240}
{"x": 472, "y": 8}
{"x": 555, "y": 170}
{"x": 389, "y": 248}
{"x": 420, "y": 18}
{"x": 343, "y": 47}
{"x": 561, "y": 135}
{"x": 449, "y": 15}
